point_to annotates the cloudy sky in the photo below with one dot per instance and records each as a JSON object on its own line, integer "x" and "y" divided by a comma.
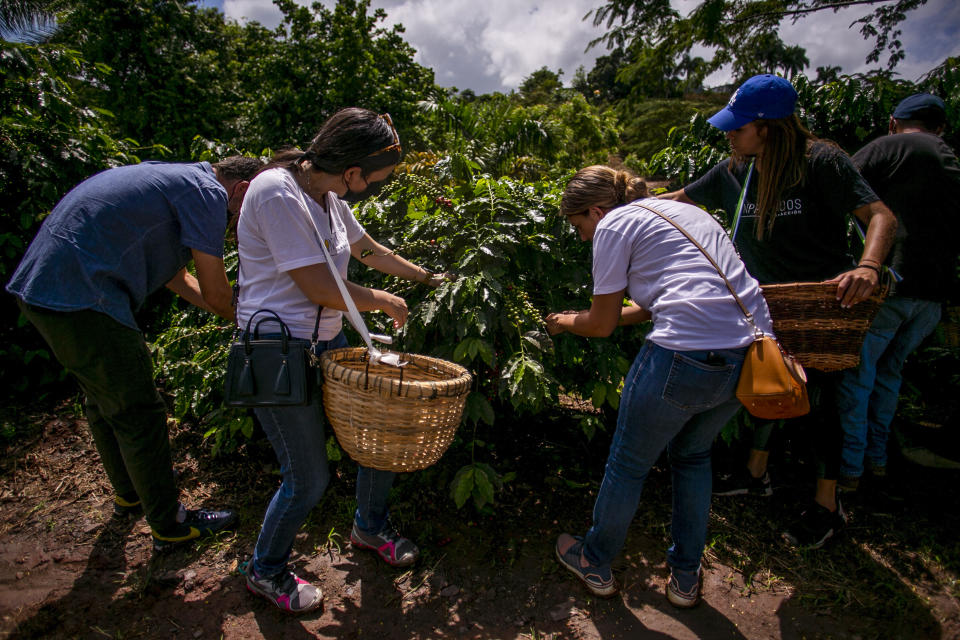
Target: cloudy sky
{"x": 492, "y": 45}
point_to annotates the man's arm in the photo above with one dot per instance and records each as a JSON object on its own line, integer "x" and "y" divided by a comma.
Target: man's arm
{"x": 186, "y": 286}
{"x": 210, "y": 289}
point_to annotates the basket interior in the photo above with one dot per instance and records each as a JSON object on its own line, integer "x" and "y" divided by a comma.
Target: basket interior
{"x": 421, "y": 376}
{"x": 412, "y": 372}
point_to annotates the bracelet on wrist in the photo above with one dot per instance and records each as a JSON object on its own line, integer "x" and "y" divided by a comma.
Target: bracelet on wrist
{"x": 863, "y": 265}
{"x": 870, "y": 260}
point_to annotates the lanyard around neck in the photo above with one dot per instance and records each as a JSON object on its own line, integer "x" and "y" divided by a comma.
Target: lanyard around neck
{"x": 743, "y": 196}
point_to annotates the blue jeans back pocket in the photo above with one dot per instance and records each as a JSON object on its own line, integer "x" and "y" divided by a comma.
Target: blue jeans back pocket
{"x": 695, "y": 386}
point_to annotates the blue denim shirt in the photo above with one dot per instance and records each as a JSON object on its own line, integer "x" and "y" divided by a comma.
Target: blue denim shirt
{"x": 120, "y": 235}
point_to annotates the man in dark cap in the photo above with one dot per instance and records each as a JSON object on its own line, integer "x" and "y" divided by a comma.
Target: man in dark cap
{"x": 917, "y": 175}
{"x": 109, "y": 243}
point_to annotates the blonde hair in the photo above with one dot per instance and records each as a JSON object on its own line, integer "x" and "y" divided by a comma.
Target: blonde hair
{"x": 601, "y": 186}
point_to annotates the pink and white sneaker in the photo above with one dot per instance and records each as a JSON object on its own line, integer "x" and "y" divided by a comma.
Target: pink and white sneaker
{"x": 393, "y": 548}
{"x": 286, "y": 591}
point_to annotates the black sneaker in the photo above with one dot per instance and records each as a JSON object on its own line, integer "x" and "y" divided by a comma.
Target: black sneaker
{"x": 877, "y": 470}
{"x": 742, "y": 483}
{"x": 129, "y": 506}
{"x": 199, "y": 523}
{"x": 848, "y": 483}
{"x": 815, "y": 526}
{"x": 127, "y": 509}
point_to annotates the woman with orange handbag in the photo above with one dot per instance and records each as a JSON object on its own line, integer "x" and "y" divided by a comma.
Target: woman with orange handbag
{"x": 680, "y": 390}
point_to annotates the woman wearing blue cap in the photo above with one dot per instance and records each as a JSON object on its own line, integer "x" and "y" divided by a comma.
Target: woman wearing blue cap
{"x": 788, "y": 195}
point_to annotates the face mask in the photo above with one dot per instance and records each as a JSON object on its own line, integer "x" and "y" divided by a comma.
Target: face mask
{"x": 354, "y": 197}
{"x": 373, "y": 188}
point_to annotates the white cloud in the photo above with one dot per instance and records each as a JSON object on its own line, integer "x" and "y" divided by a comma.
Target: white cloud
{"x": 263, "y": 11}
{"x": 494, "y": 44}
{"x": 930, "y": 34}
{"x": 489, "y": 46}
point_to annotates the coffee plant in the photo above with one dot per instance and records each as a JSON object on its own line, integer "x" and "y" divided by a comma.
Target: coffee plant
{"x": 510, "y": 259}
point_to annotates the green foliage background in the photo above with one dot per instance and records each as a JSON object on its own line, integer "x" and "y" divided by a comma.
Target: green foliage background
{"x": 477, "y": 193}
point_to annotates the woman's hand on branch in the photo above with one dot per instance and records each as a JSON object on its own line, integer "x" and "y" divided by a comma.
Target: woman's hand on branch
{"x": 436, "y": 279}
{"x": 556, "y": 323}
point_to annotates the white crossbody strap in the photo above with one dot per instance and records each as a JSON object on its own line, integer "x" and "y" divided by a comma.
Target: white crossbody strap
{"x": 352, "y": 313}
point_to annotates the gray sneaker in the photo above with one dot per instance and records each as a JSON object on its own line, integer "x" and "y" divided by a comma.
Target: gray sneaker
{"x": 683, "y": 589}
{"x": 393, "y": 548}
{"x": 286, "y": 591}
{"x": 598, "y": 580}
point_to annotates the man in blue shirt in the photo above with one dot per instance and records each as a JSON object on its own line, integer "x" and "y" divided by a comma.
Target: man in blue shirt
{"x": 110, "y": 242}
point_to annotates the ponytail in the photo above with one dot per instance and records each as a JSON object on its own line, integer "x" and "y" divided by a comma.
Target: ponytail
{"x": 601, "y": 186}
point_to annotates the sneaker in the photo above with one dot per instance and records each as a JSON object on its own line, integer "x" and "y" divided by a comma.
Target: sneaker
{"x": 741, "y": 483}
{"x": 124, "y": 509}
{"x": 878, "y": 471}
{"x": 199, "y": 523}
{"x": 598, "y": 580}
{"x": 815, "y": 526}
{"x": 130, "y": 506}
{"x": 683, "y": 588}
{"x": 393, "y": 548}
{"x": 286, "y": 590}
{"x": 848, "y": 483}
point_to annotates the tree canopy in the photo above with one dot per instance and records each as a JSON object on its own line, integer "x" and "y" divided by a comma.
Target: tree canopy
{"x": 655, "y": 43}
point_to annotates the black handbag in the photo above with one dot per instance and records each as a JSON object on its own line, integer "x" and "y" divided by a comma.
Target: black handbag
{"x": 268, "y": 372}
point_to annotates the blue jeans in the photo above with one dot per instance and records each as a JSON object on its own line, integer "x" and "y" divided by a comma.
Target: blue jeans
{"x": 678, "y": 400}
{"x": 297, "y": 436}
{"x": 867, "y": 395}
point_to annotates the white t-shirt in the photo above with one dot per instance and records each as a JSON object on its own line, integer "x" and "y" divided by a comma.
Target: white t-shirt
{"x": 275, "y": 236}
{"x": 663, "y": 272}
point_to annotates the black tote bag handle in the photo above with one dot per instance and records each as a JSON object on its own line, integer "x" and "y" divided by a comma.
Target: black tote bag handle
{"x": 284, "y": 330}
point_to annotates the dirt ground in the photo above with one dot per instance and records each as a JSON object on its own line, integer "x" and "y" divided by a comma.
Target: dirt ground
{"x": 68, "y": 570}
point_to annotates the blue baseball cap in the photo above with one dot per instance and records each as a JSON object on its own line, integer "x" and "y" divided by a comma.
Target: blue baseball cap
{"x": 917, "y": 104}
{"x": 764, "y": 96}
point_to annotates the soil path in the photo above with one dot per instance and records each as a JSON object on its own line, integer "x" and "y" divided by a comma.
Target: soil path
{"x": 68, "y": 570}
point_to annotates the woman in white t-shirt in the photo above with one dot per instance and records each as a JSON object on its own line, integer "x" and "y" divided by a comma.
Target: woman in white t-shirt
{"x": 282, "y": 268}
{"x": 680, "y": 390}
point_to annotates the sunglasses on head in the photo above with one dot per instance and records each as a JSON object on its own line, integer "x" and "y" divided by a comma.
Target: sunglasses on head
{"x": 396, "y": 138}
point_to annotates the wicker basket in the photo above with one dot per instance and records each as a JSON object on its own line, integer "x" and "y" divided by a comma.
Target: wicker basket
{"x": 814, "y": 328}
{"x": 393, "y": 419}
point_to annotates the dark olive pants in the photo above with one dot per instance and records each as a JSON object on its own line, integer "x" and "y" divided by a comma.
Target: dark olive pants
{"x": 821, "y": 426}
{"x": 126, "y": 414}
